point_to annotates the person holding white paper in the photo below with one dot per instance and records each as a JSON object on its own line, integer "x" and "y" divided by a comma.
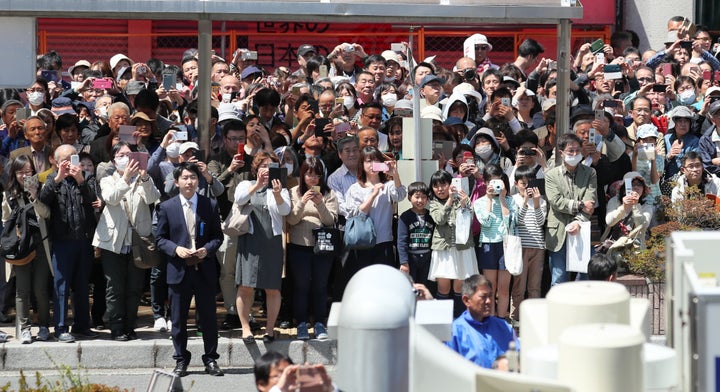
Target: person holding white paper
{"x": 571, "y": 196}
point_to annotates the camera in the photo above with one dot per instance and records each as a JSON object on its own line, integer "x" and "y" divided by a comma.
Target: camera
{"x": 142, "y": 70}
{"x": 527, "y": 151}
{"x": 349, "y": 48}
{"x": 469, "y": 74}
{"x": 496, "y": 185}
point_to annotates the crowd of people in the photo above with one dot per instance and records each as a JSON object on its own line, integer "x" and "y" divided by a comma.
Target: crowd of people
{"x": 98, "y": 162}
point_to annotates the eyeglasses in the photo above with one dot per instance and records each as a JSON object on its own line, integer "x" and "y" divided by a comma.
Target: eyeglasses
{"x": 693, "y": 166}
{"x": 481, "y": 47}
{"x": 704, "y": 38}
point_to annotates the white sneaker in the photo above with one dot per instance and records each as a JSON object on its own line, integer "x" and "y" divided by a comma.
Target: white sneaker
{"x": 25, "y": 336}
{"x": 44, "y": 334}
{"x": 169, "y": 325}
{"x": 161, "y": 325}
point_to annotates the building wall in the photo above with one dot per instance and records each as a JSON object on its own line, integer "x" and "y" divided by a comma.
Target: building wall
{"x": 648, "y": 18}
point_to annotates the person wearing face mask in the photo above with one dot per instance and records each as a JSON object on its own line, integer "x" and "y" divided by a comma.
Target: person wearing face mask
{"x": 685, "y": 90}
{"x": 571, "y": 191}
{"x": 387, "y": 95}
{"x": 679, "y": 140}
{"x": 487, "y": 150}
{"x": 37, "y": 95}
{"x": 128, "y": 194}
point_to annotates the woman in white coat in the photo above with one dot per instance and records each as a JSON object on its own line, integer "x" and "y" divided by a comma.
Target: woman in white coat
{"x": 128, "y": 194}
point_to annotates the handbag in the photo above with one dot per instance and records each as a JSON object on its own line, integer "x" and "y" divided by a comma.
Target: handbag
{"x": 463, "y": 224}
{"x": 328, "y": 241}
{"x": 360, "y": 232}
{"x": 512, "y": 252}
{"x": 238, "y": 220}
{"x": 145, "y": 253}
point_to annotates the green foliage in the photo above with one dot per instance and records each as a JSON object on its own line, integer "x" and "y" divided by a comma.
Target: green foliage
{"x": 694, "y": 212}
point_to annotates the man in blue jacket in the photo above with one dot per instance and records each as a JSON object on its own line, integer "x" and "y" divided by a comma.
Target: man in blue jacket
{"x": 190, "y": 240}
{"x": 710, "y": 141}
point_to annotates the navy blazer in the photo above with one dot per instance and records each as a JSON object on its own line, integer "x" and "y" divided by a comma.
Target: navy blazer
{"x": 172, "y": 232}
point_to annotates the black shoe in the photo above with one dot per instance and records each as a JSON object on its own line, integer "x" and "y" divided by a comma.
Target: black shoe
{"x": 268, "y": 338}
{"x": 285, "y": 325}
{"x": 85, "y": 333}
{"x": 4, "y": 318}
{"x": 232, "y": 321}
{"x": 181, "y": 369}
{"x": 213, "y": 369}
{"x": 132, "y": 335}
{"x": 249, "y": 339}
{"x": 119, "y": 337}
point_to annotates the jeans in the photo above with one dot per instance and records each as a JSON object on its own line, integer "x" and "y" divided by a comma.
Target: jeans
{"x": 558, "y": 266}
{"x": 71, "y": 261}
{"x": 159, "y": 291}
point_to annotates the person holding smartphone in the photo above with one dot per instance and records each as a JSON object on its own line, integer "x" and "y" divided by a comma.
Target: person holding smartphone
{"x": 128, "y": 194}
{"x": 378, "y": 187}
{"x": 314, "y": 205}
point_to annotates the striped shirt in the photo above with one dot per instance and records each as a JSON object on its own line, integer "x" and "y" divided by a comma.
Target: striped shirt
{"x": 340, "y": 181}
{"x": 494, "y": 224}
{"x": 530, "y": 222}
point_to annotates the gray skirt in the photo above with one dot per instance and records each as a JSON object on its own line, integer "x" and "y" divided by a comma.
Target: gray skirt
{"x": 260, "y": 255}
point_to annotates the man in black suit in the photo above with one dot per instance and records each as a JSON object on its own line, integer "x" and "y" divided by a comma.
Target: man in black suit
{"x": 189, "y": 233}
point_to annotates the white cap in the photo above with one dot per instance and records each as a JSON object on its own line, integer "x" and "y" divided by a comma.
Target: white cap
{"x": 187, "y": 146}
{"x": 173, "y": 150}
{"x": 432, "y": 112}
{"x": 114, "y": 60}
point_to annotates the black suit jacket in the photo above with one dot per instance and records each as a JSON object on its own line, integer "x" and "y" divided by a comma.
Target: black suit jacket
{"x": 172, "y": 232}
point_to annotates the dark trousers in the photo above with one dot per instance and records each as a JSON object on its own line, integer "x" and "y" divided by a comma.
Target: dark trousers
{"x": 125, "y": 284}
{"x": 382, "y": 253}
{"x": 97, "y": 278}
{"x": 419, "y": 264}
{"x": 71, "y": 261}
{"x": 32, "y": 278}
{"x": 180, "y": 295}
{"x": 159, "y": 290}
{"x": 310, "y": 273}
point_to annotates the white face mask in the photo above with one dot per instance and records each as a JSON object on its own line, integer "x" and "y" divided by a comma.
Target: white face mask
{"x": 687, "y": 97}
{"x": 573, "y": 160}
{"x": 102, "y": 112}
{"x": 349, "y": 102}
{"x": 289, "y": 167}
{"x": 121, "y": 163}
{"x": 390, "y": 79}
{"x": 389, "y": 99}
{"x": 483, "y": 151}
{"x": 36, "y": 98}
{"x": 226, "y": 97}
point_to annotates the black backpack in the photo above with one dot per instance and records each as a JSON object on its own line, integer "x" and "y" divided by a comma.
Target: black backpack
{"x": 18, "y": 239}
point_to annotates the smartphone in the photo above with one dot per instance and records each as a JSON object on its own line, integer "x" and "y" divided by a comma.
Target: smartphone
{"x": 102, "y": 83}
{"x": 126, "y": 133}
{"x": 599, "y": 115}
{"x": 600, "y": 58}
{"x": 468, "y": 157}
{"x": 666, "y": 69}
{"x": 181, "y": 136}
{"x": 461, "y": 183}
{"x": 687, "y": 45}
{"x": 249, "y": 55}
{"x": 342, "y": 127}
{"x": 168, "y": 82}
{"x": 75, "y": 159}
{"x": 597, "y": 46}
{"x": 706, "y": 75}
{"x": 506, "y": 102}
{"x": 445, "y": 148}
{"x": 22, "y": 114}
{"x": 309, "y": 379}
{"x": 659, "y": 88}
{"x": 398, "y": 47}
{"x": 339, "y": 101}
{"x": 716, "y": 76}
{"x": 295, "y": 91}
{"x": 316, "y": 188}
{"x": 612, "y": 71}
{"x": 278, "y": 173}
{"x": 241, "y": 149}
{"x": 215, "y": 89}
{"x": 50, "y": 76}
{"x": 628, "y": 186}
{"x": 591, "y": 135}
{"x": 553, "y": 65}
{"x": 320, "y": 124}
{"x": 538, "y": 183}
{"x": 31, "y": 182}
{"x": 380, "y": 167}
{"x": 199, "y": 155}
{"x": 323, "y": 71}
{"x": 609, "y": 103}
{"x": 141, "y": 158}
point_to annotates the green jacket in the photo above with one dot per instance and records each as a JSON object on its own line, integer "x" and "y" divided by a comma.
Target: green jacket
{"x": 564, "y": 200}
{"x": 444, "y": 234}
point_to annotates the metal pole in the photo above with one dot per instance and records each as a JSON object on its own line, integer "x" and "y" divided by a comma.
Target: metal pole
{"x": 416, "y": 109}
{"x": 562, "y": 122}
{"x": 204, "y": 48}
{"x": 223, "y": 49}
